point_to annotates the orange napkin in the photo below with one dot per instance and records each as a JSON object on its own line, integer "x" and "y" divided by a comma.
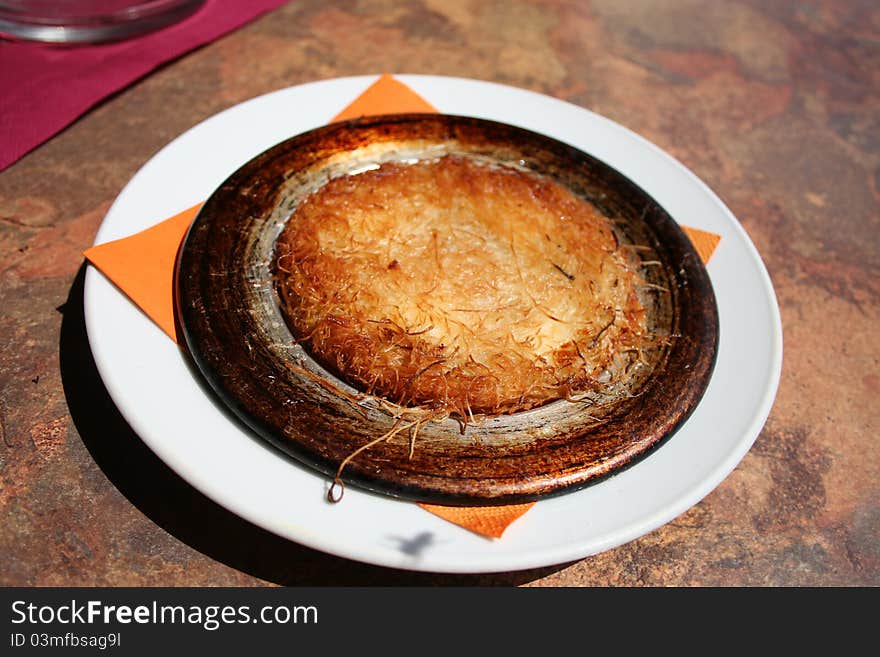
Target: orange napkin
{"x": 142, "y": 266}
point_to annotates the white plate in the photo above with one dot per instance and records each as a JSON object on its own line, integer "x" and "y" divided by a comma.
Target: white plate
{"x": 158, "y": 394}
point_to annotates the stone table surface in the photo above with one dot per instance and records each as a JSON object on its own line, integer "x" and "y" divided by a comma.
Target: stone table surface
{"x": 776, "y": 106}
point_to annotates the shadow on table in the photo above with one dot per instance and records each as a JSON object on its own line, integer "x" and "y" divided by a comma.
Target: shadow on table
{"x": 185, "y": 513}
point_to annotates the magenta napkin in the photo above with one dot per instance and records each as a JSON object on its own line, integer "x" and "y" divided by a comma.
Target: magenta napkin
{"x": 44, "y": 88}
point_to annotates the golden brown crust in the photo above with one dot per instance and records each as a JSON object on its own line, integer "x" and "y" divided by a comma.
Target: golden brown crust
{"x": 458, "y": 286}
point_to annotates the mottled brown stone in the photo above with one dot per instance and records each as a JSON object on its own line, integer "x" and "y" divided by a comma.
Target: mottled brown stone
{"x": 775, "y": 105}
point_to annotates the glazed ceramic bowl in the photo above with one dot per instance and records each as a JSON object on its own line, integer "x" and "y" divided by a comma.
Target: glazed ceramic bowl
{"x": 235, "y": 332}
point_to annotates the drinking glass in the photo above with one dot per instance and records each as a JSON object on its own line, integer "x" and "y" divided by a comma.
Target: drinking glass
{"x": 88, "y": 21}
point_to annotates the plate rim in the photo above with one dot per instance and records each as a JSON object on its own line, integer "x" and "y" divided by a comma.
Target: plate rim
{"x": 97, "y": 288}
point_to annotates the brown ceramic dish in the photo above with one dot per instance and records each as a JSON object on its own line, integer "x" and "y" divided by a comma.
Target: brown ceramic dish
{"x": 235, "y": 329}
